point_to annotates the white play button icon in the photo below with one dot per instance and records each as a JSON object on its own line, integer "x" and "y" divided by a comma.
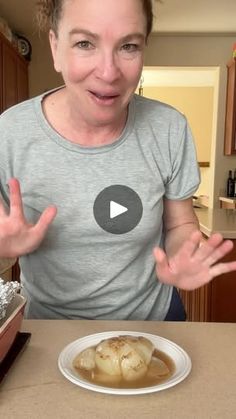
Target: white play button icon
{"x": 116, "y": 209}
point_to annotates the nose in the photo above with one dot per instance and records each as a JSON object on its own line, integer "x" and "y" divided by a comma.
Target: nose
{"x": 107, "y": 68}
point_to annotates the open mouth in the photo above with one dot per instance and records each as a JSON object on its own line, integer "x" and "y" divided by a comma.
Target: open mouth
{"x": 103, "y": 98}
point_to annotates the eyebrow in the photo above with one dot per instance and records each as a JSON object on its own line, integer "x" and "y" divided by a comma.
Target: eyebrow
{"x": 93, "y": 35}
{"x": 76, "y": 31}
{"x": 136, "y": 35}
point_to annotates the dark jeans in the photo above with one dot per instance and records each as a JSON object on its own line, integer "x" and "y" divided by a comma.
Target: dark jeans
{"x": 176, "y": 310}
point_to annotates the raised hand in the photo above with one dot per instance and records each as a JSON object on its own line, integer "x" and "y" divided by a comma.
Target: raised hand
{"x": 195, "y": 263}
{"x": 17, "y": 236}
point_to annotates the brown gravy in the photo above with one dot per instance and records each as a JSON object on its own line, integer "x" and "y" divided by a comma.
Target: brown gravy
{"x": 146, "y": 381}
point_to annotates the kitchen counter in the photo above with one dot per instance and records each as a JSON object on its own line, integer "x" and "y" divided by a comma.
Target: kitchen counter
{"x": 217, "y": 220}
{"x": 34, "y": 387}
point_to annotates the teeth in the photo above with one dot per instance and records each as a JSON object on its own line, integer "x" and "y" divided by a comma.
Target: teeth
{"x": 102, "y": 96}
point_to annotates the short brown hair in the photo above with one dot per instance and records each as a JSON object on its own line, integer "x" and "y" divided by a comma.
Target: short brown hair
{"x": 49, "y": 14}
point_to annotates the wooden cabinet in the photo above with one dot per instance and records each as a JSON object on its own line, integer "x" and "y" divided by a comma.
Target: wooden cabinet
{"x": 1, "y": 77}
{"x": 22, "y": 80}
{"x": 216, "y": 301}
{"x": 6, "y": 265}
{"x": 13, "y": 89}
{"x": 197, "y": 303}
{"x": 13, "y": 75}
{"x": 230, "y": 117}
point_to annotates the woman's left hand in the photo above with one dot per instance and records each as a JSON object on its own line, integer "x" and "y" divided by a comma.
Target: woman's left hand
{"x": 196, "y": 262}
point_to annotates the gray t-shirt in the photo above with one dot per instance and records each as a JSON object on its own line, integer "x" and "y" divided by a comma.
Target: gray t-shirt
{"x": 81, "y": 270}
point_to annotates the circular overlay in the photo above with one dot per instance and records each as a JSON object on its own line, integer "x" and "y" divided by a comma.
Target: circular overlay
{"x": 118, "y": 209}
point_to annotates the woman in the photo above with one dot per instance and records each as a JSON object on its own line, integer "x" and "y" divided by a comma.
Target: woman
{"x": 119, "y": 169}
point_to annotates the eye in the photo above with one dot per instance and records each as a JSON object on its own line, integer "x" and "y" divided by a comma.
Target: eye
{"x": 130, "y": 47}
{"x": 84, "y": 44}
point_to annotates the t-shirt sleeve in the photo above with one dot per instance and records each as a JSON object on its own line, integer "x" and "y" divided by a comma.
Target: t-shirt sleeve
{"x": 185, "y": 175}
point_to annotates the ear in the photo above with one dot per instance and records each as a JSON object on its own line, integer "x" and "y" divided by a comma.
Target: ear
{"x": 53, "y": 40}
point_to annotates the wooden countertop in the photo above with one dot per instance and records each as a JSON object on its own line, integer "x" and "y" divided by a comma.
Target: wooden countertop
{"x": 35, "y": 388}
{"x": 217, "y": 220}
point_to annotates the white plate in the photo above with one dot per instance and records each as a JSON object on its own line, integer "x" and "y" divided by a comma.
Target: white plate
{"x": 181, "y": 359}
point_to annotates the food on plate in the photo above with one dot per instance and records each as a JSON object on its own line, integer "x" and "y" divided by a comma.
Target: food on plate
{"x": 124, "y": 361}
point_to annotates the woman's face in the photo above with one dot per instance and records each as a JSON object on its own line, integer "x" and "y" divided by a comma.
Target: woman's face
{"x": 99, "y": 51}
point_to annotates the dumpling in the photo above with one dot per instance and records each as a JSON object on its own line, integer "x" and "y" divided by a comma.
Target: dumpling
{"x": 85, "y": 360}
{"x": 121, "y": 357}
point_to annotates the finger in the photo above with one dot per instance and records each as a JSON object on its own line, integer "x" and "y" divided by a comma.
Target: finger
{"x": 207, "y": 247}
{"x": 16, "y": 205}
{"x": 219, "y": 252}
{"x": 160, "y": 256}
{"x": 189, "y": 247}
{"x": 215, "y": 239}
{"x": 196, "y": 236}
{"x": 222, "y": 268}
{"x": 162, "y": 266}
{"x": 44, "y": 221}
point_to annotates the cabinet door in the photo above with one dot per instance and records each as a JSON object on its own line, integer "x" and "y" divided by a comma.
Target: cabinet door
{"x": 215, "y": 302}
{"x": 197, "y": 303}
{"x": 1, "y": 78}
{"x": 9, "y": 77}
{"x": 14, "y": 77}
{"x": 230, "y": 117}
{"x": 223, "y": 295}
{"x": 22, "y": 81}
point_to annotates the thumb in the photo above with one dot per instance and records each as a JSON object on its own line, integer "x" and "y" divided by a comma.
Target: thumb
{"x": 159, "y": 255}
{"x": 162, "y": 265}
{"x": 45, "y": 220}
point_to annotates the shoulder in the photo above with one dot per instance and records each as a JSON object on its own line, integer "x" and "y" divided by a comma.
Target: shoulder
{"x": 155, "y": 106}
{"x": 26, "y": 110}
{"x": 19, "y": 113}
{"x": 158, "y": 116}
{"x": 17, "y": 124}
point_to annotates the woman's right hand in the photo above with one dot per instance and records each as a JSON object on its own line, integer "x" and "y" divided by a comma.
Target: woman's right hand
{"x": 17, "y": 236}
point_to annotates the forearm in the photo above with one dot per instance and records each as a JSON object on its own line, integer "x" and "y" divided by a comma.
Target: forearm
{"x": 176, "y": 236}
{"x": 180, "y": 221}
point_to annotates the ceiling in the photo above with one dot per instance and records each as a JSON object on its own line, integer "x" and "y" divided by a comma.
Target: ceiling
{"x": 171, "y": 16}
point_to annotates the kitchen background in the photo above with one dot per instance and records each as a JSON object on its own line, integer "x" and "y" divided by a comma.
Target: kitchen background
{"x": 185, "y": 65}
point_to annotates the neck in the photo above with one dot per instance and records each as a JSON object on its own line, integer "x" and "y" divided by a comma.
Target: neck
{"x": 77, "y": 130}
